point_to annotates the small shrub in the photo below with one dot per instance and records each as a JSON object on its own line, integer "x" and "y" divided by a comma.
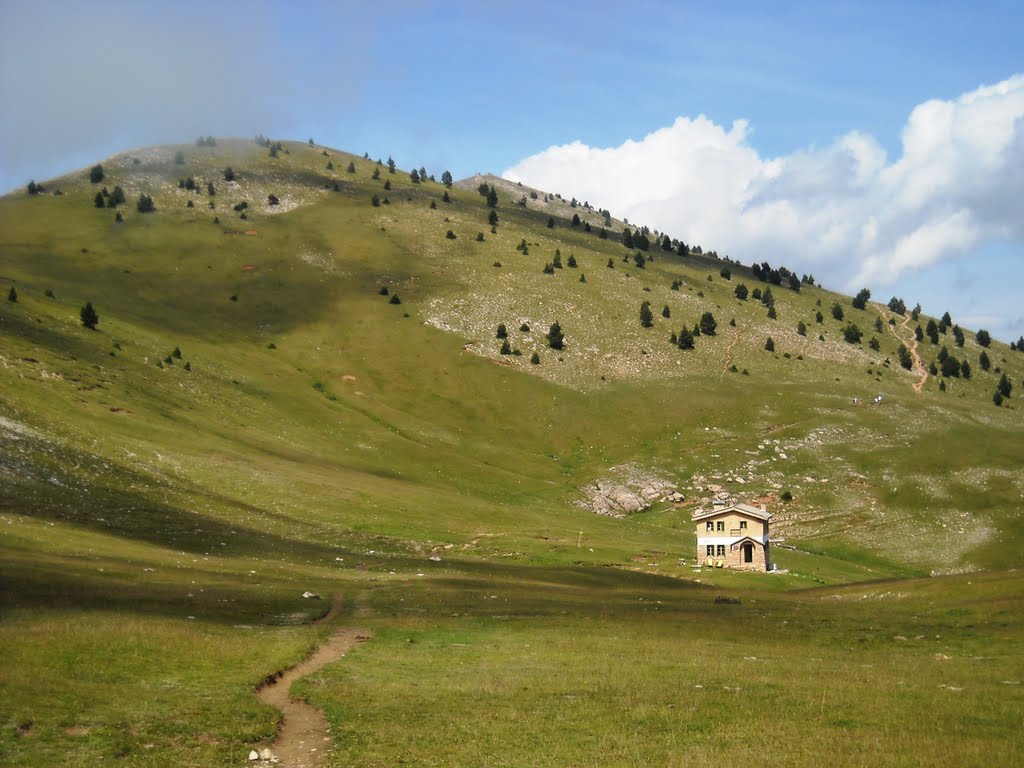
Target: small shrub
{"x": 502, "y": 332}
{"x": 535, "y": 359}
{"x": 450, "y": 235}
{"x": 395, "y": 299}
{"x": 786, "y": 496}
{"x": 524, "y": 328}
{"x": 769, "y": 345}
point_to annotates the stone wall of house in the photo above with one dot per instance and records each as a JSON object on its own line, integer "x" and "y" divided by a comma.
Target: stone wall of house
{"x": 734, "y": 557}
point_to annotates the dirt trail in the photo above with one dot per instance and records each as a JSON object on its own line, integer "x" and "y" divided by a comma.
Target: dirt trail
{"x": 912, "y": 346}
{"x": 728, "y": 352}
{"x": 302, "y": 738}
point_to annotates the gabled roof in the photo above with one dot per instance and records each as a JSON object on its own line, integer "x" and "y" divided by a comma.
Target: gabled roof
{"x": 743, "y": 509}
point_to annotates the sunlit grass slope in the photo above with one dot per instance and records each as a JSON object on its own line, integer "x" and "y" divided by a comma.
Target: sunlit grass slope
{"x": 316, "y": 433}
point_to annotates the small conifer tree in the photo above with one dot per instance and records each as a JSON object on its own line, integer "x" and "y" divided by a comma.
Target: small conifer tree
{"x": 685, "y": 339}
{"x": 646, "y": 316}
{"x": 89, "y": 317}
{"x": 555, "y": 337}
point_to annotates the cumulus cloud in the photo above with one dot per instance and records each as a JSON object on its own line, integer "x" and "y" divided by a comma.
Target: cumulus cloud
{"x": 845, "y": 212}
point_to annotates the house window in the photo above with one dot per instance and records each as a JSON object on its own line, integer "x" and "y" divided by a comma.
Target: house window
{"x": 743, "y": 524}
{"x": 721, "y": 550}
{"x": 709, "y": 526}
{"x": 721, "y": 525}
{"x": 711, "y": 550}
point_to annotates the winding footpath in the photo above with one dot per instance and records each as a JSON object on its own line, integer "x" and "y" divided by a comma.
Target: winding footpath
{"x": 911, "y": 345}
{"x": 303, "y": 737}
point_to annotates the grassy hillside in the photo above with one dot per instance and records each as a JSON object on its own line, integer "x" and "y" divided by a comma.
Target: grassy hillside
{"x": 162, "y": 515}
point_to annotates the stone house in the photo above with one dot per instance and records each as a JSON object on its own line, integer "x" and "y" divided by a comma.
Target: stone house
{"x": 734, "y": 537}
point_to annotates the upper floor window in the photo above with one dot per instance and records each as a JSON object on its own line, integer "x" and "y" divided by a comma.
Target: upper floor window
{"x": 721, "y": 525}
{"x": 710, "y": 526}
{"x": 743, "y": 524}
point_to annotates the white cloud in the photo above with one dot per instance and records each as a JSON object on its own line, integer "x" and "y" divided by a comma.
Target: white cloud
{"x": 844, "y": 212}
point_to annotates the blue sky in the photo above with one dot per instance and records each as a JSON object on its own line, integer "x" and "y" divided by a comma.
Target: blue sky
{"x": 472, "y": 86}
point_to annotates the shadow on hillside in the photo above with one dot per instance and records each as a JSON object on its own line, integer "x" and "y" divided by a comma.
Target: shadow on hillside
{"x": 53, "y": 482}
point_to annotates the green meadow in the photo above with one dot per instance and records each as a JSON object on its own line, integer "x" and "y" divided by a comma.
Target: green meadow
{"x": 253, "y": 417}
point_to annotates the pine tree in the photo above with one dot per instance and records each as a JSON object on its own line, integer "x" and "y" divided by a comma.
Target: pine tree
{"x": 89, "y": 317}
{"x": 685, "y": 339}
{"x": 12, "y": 295}
{"x": 646, "y": 316}
{"x": 555, "y": 337}
{"x": 769, "y": 345}
{"x": 905, "y": 359}
{"x": 708, "y": 324}
{"x": 1005, "y": 386}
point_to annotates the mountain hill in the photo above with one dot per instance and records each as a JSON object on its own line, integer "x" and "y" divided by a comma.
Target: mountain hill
{"x": 297, "y": 380}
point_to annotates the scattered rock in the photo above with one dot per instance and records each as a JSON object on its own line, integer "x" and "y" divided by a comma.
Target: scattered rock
{"x": 254, "y": 755}
{"x": 942, "y": 657}
{"x": 311, "y": 595}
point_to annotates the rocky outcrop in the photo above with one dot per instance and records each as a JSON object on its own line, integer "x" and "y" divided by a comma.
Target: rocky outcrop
{"x": 627, "y": 489}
